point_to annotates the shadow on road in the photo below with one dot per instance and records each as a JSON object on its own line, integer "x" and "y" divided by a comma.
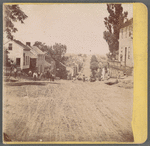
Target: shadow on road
{"x": 29, "y": 83}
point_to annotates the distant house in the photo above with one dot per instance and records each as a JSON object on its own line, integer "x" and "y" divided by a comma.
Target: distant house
{"x": 52, "y": 62}
{"x": 126, "y": 44}
{"x": 75, "y": 69}
{"x": 18, "y": 53}
{"x": 37, "y": 58}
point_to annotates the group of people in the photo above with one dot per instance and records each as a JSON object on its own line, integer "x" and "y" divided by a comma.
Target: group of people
{"x": 101, "y": 74}
{"x": 83, "y": 78}
{"x": 37, "y": 75}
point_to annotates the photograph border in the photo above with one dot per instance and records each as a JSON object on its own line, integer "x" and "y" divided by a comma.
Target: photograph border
{"x": 140, "y": 43}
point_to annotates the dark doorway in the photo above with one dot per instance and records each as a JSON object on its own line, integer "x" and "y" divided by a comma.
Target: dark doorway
{"x": 18, "y": 62}
{"x": 32, "y": 63}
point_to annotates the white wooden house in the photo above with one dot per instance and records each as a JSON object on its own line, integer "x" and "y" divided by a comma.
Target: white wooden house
{"x": 126, "y": 44}
{"x": 124, "y": 64}
{"x": 18, "y": 53}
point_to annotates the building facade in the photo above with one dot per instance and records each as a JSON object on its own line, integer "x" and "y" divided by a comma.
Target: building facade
{"x": 124, "y": 59}
{"x": 18, "y": 53}
{"x": 126, "y": 44}
{"x": 40, "y": 58}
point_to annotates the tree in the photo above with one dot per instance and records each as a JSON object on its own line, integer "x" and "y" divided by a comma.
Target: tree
{"x": 93, "y": 59}
{"x": 12, "y": 13}
{"x": 6, "y": 59}
{"x": 58, "y": 51}
{"x": 42, "y": 46}
{"x": 113, "y": 24}
{"x": 94, "y": 66}
{"x": 55, "y": 52}
{"x": 112, "y": 41}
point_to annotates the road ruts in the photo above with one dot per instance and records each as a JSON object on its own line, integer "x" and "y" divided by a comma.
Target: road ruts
{"x": 68, "y": 111}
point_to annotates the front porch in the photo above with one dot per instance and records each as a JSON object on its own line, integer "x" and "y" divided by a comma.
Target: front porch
{"x": 117, "y": 68}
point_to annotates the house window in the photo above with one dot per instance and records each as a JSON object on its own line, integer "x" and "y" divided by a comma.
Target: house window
{"x": 26, "y": 60}
{"x": 121, "y": 49}
{"x": 10, "y": 46}
{"x": 128, "y": 52}
{"x": 18, "y": 61}
{"x": 23, "y": 58}
{"x": 29, "y": 60}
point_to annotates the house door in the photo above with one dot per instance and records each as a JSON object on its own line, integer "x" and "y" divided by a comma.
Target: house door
{"x": 18, "y": 62}
{"x": 125, "y": 55}
{"x": 32, "y": 63}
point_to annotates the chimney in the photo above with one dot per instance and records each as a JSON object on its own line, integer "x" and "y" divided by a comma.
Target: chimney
{"x": 28, "y": 43}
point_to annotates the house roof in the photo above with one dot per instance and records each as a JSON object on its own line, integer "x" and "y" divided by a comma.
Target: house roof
{"x": 26, "y": 48}
{"x": 129, "y": 22}
{"x": 33, "y": 54}
{"x": 46, "y": 64}
{"x": 37, "y": 50}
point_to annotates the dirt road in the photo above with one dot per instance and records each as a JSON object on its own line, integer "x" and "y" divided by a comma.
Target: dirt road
{"x": 66, "y": 111}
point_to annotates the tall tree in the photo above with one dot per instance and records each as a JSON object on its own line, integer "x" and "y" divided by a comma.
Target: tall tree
{"x": 113, "y": 23}
{"x": 12, "y": 13}
{"x": 42, "y": 46}
{"x": 93, "y": 59}
{"x": 94, "y": 63}
{"x": 57, "y": 53}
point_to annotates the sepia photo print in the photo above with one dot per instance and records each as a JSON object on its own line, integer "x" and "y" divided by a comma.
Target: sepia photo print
{"x": 67, "y": 72}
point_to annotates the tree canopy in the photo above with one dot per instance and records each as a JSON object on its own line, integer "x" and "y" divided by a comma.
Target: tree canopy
{"x": 57, "y": 53}
{"x": 94, "y": 66}
{"x": 93, "y": 59}
{"x": 113, "y": 23}
{"x": 94, "y": 63}
{"x": 12, "y": 13}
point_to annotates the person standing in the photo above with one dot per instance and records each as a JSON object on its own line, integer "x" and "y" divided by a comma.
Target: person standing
{"x": 35, "y": 75}
{"x": 108, "y": 73}
{"x": 103, "y": 73}
{"x": 30, "y": 73}
{"x": 15, "y": 72}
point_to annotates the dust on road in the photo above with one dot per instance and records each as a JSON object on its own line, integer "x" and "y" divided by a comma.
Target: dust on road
{"x": 68, "y": 112}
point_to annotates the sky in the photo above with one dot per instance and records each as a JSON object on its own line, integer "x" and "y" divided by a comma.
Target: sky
{"x": 79, "y": 26}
